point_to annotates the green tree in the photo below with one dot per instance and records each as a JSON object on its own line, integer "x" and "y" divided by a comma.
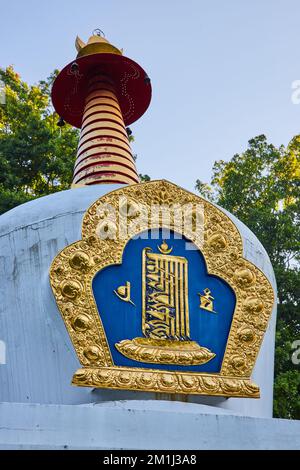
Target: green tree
{"x": 261, "y": 187}
{"x": 36, "y": 156}
{"x": 144, "y": 178}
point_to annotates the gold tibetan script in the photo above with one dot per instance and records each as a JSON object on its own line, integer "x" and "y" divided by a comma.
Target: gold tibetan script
{"x": 123, "y": 292}
{"x": 165, "y": 295}
{"x": 165, "y": 313}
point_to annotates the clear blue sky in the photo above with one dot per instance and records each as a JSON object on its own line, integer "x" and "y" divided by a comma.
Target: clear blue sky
{"x": 221, "y": 70}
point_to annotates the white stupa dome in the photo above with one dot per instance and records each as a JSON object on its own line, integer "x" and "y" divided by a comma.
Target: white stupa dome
{"x": 40, "y": 359}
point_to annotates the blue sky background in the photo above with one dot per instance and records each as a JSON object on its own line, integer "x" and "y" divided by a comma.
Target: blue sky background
{"x": 221, "y": 71}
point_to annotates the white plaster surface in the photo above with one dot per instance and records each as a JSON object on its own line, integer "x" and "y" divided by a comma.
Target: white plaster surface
{"x": 140, "y": 425}
{"x": 40, "y": 359}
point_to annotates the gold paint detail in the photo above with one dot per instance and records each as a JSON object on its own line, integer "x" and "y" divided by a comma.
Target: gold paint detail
{"x": 207, "y": 300}
{"x": 123, "y": 292}
{"x": 164, "y": 351}
{"x": 72, "y": 288}
{"x": 165, "y": 310}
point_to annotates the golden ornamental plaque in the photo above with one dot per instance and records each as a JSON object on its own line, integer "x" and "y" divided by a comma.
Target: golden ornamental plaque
{"x": 157, "y": 296}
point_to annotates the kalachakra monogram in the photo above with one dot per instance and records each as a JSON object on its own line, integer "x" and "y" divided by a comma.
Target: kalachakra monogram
{"x": 165, "y": 313}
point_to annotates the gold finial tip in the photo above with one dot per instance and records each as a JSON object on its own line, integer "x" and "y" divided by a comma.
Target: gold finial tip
{"x": 97, "y": 43}
{"x": 98, "y": 32}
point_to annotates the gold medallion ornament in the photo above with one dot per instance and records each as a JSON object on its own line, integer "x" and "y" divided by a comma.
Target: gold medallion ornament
{"x": 165, "y": 313}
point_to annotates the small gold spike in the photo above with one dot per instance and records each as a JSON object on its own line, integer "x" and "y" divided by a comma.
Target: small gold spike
{"x": 79, "y": 44}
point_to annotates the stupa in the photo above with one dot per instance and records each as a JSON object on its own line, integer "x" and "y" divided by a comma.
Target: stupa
{"x": 166, "y": 347}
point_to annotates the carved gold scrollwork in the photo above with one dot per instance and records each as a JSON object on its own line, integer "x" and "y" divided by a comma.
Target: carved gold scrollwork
{"x": 246, "y": 334}
{"x": 70, "y": 289}
{"x": 81, "y": 322}
{"x": 106, "y": 230}
{"x": 238, "y": 363}
{"x": 253, "y": 305}
{"x": 92, "y": 353}
{"x": 244, "y": 277}
{"x": 217, "y": 242}
{"x": 80, "y": 261}
{"x": 129, "y": 209}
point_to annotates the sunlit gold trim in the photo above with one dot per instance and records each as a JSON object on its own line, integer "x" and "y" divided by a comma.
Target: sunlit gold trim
{"x": 150, "y": 380}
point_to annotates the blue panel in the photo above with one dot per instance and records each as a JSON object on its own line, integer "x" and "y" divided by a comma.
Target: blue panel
{"x": 122, "y": 320}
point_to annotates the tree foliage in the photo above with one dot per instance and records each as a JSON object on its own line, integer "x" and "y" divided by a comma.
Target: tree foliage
{"x": 261, "y": 187}
{"x": 36, "y": 157}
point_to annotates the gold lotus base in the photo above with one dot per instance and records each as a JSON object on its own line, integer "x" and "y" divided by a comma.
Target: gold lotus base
{"x": 149, "y": 380}
{"x": 164, "y": 351}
